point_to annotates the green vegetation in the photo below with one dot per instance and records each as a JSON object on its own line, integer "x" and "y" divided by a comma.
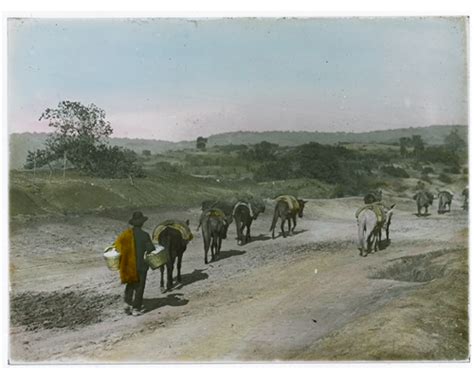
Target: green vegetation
{"x": 443, "y": 177}
{"x": 80, "y": 138}
{"x": 395, "y": 171}
{"x": 455, "y": 142}
{"x": 187, "y": 176}
{"x": 77, "y": 193}
{"x": 201, "y": 143}
{"x": 427, "y": 170}
{"x": 334, "y": 165}
{"x": 20, "y": 144}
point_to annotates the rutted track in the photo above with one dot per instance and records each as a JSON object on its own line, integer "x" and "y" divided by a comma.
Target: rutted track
{"x": 269, "y": 299}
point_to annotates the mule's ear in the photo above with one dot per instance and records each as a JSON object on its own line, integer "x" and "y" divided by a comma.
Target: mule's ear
{"x": 187, "y": 222}
{"x": 304, "y": 201}
{"x": 393, "y": 205}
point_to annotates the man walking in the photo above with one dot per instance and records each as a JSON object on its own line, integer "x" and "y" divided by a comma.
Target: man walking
{"x": 132, "y": 245}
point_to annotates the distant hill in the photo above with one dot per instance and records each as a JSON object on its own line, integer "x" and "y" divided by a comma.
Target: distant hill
{"x": 431, "y": 135}
{"x": 20, "y": 144}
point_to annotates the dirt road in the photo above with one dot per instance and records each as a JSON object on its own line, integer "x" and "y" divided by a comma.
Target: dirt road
{"x": 309, "y": 296}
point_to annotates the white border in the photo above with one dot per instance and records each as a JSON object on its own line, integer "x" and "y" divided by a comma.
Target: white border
{"x": 254, "y": 7}
{"x": 213, "y": 9}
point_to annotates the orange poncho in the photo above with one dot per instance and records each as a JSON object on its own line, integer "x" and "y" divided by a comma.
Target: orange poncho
{"x": 125, "y": 245}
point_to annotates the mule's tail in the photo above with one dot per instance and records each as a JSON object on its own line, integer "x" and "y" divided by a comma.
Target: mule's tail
{"x": 362, "y": 229}
{"x": 275, "y": 218}
{"x": 238, "y": 225}
{"x": 168, "y": 244}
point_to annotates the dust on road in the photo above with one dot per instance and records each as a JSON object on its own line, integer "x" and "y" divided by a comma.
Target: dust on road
{"x": 268, "y": 300}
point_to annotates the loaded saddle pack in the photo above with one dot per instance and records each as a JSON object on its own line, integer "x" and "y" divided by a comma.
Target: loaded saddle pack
{"x": 378, "y": 208}
{"x": 291, "y": 201}
{"x": 182, "y": 227}
{"x": 246, "y": 204}
{"x": 161, "y": 256}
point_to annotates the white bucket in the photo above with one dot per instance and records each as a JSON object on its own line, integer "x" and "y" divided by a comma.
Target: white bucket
{"x": 112, "y": 258}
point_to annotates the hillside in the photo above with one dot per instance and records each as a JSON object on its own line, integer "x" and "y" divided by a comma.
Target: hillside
{"x": 431, "y": 135}
{"x": 42, "y": 195}
{"x": 20, "y": 144}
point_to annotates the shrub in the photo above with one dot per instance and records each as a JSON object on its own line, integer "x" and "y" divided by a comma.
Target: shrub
{"x": 427, "y": 170}
{"x": 228, "y": 148}
{"x": 114, "y": 162}
{"x": 164, "y": 166}
{"x": 439, "y": 154}
{"x": 398, "y": 186}
{"x": 426, "y": 178}
{"x": 417, "y": 166}
{"x": 338, "y": 191}
{"x": 395, "y": 171}
{"x": 454, "y": 170}
{"x": 445, "y": 178}
{"x": 349, "y": 171}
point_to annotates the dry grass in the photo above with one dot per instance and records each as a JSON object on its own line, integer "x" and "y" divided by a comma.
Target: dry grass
{"x": 429, "y": 323}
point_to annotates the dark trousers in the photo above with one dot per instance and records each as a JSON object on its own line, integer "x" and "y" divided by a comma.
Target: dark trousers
{"x": 137, "y": 288}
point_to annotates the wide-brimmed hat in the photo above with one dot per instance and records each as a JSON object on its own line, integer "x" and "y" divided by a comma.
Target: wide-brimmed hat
{"x": 137, "y": 219}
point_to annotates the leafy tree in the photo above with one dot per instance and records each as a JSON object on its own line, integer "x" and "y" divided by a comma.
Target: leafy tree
{"x": 80, "y": 137}
{"x": 146, "y": 153}
{"x": 71, "y": 119}
{"x": 418, "y": 145}
{"x": 264, "y": 150}
{"x": 116, "y": 162}
{"x": 38, "y": 157}
{"x": 404, "y": 144}
{"x": 439, "y": 154}
{"x": 331, "y": 164}
{"x": 201, "y": 143}
{"x": 454, "y": 142}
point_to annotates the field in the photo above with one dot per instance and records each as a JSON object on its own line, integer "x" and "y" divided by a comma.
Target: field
{"x": 309, "y": 296}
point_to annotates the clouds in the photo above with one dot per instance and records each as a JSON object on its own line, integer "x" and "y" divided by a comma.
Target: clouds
{"x": 232, "y": 74}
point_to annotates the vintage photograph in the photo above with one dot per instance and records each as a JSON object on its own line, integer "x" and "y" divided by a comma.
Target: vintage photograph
{"x": 237, "y": 189}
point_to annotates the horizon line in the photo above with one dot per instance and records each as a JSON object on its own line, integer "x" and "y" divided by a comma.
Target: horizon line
{"x": 262, "y": 132}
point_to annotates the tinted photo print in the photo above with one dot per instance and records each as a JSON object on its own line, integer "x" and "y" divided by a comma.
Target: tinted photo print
{"x": 215, "y": 190}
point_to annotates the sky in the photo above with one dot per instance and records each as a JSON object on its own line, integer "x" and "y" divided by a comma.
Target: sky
{"x": 176, "y": 79}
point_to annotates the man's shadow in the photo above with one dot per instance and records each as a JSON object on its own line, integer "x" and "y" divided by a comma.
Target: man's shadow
{"x": 174, "y": 300}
